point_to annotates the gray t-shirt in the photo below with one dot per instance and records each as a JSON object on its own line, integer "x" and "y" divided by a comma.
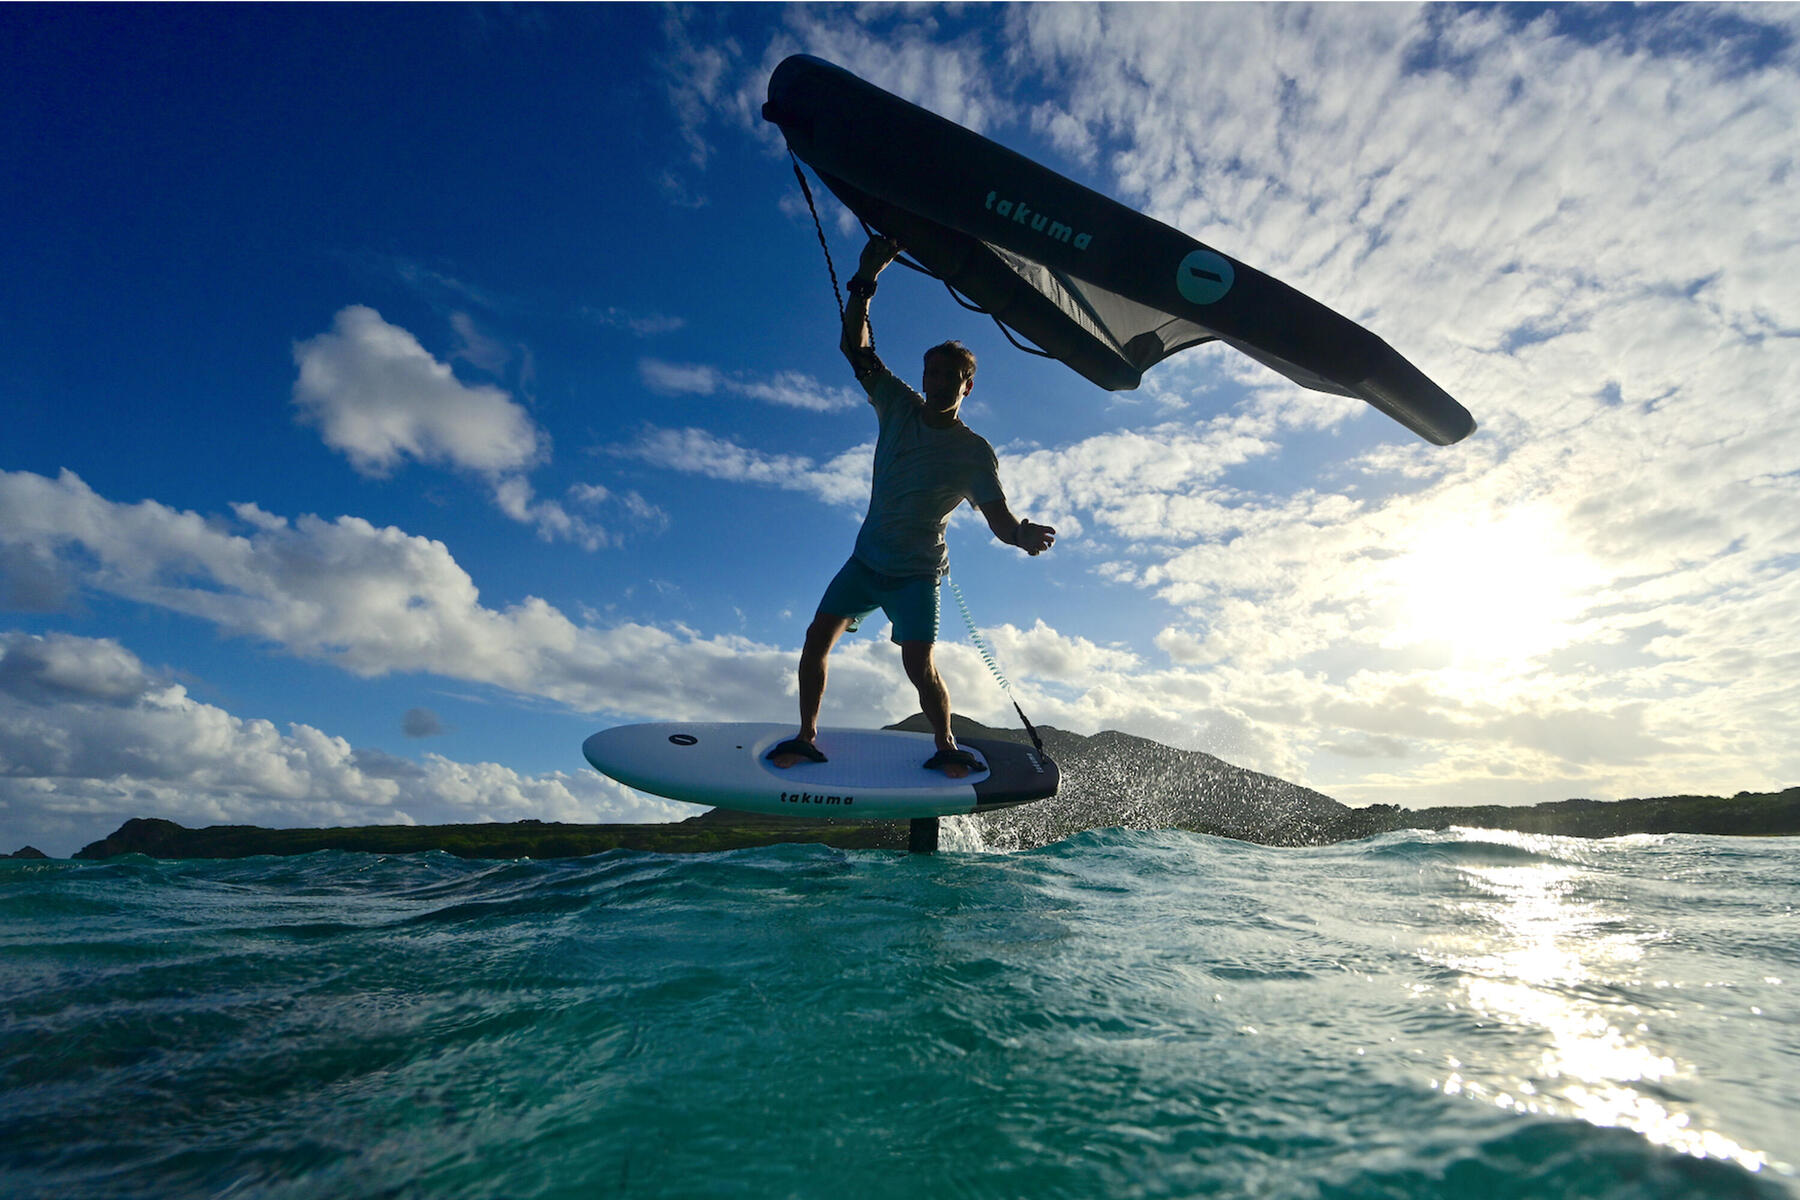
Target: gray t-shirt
{"x": 921, "y": 475}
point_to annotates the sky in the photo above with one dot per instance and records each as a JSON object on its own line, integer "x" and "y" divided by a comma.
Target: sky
{"x": 393, "y": 396}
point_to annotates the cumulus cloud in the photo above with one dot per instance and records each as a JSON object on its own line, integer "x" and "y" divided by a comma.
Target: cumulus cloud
{"x": 376, "y": 601}
{"x": 379, "y": 397}
{"x": 62, "y": 667}
{"x": 89, "y": 737}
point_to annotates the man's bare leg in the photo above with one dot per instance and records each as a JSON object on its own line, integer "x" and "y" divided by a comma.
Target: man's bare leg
{"x": 821, "y": 636}
{"x": 934, "y": 698}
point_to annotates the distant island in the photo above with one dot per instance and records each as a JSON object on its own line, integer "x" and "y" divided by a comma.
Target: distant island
{"x": 1109, "y": 780}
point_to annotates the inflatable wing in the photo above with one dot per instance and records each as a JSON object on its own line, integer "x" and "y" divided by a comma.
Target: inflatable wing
{"x": 1104, "y": 288}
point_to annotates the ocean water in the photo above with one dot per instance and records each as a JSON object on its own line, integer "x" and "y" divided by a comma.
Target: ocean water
{"x": 1462, "y": 1014}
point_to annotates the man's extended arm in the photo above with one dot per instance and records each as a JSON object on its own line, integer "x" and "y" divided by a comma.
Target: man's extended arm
{"x": 1032, "y": 539}
{"x": 856, "y": 343}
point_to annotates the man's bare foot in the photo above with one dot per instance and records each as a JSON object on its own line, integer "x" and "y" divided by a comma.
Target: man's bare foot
{"x": 954, "y": 763}
{"x": 793, "y": 752}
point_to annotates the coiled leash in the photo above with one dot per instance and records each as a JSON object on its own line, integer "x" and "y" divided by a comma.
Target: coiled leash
{"x": 993, "y": 662}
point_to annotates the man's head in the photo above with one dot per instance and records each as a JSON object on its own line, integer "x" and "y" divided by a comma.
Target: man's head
{"x": 949, "y": 374}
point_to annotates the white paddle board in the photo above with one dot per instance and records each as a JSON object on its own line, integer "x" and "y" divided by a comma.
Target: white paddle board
{"x": 871, "y": 774}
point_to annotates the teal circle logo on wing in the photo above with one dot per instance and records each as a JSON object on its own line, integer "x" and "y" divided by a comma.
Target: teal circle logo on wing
{"x": 1204, "y": 277}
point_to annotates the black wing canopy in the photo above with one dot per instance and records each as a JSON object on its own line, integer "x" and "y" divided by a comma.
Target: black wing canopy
{"x": 1102, "y": 287}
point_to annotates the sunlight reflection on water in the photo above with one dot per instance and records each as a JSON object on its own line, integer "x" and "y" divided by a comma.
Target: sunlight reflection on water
{"x": 1562, "y": 969}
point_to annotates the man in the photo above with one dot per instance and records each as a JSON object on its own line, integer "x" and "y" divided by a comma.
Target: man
{"x": 927, "y": 462}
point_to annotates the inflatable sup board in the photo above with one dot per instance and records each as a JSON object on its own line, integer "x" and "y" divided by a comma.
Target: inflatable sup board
{"x": 872, "y": 774}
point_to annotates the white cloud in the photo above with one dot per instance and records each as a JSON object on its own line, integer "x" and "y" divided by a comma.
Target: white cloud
{"x": 788, "y": 389}
{"x": 379, "y": 397}
{"x": 697, "y": 73}
{"x": 376, "y": 601}
{"x": 679, "y": 378}
{"x": 88, "y": 738}
{"x": 515, "y": 497}
{"x": 61, "y": 667}
{"x": 794, "y": 389}
{"x": 843, "y": 479}
{"x": 1161, "y": 484}
{"x": 905, "y": 52}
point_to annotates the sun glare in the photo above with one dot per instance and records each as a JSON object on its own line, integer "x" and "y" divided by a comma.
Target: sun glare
{"x": 1497, "y": 591}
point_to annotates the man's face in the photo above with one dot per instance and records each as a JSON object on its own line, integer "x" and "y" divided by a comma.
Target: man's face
{"x": 945, "y": 383}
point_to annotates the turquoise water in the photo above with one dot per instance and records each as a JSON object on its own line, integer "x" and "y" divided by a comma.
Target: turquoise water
{"x": 1462, "y": 1015}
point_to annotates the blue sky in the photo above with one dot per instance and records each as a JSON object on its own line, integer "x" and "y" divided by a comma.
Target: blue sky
{"x": 396, "y": 395}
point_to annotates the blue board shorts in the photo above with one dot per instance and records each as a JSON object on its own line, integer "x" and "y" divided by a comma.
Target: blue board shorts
{"x": 910, "y": 601}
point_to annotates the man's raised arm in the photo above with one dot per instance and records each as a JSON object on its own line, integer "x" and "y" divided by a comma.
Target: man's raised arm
{"x": 856, "y": 343}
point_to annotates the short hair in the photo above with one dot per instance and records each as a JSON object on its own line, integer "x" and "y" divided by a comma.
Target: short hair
{"x": 958, "y": 351}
